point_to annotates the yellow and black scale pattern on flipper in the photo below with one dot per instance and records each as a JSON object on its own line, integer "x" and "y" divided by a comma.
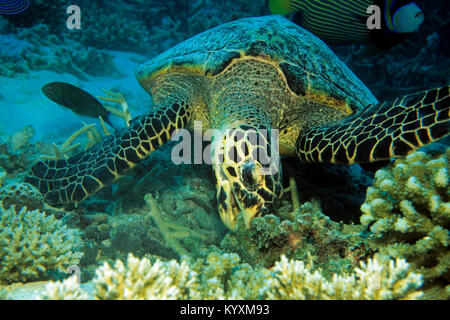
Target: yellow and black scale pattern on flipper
{"x": 71, "y": 181}
{"x": 380, "y": 132}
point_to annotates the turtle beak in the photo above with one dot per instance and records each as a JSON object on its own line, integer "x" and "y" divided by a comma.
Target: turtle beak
{"x": 248, "y": 180}
{"x": 229, "y": 208}
{"x": 247, "y": 193}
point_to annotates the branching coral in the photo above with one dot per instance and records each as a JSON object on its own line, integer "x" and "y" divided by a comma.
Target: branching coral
{"x": 33, "y": 243}
{"x": 141, "y": 279}
{"x": 408, "y": 211}
{"x": 222, "y": 276}
{"x": 68, "y": 290}
{"x": 377, "y": 279}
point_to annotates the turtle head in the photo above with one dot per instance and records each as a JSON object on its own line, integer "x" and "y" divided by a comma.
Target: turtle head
{"x": 248, "y": 173}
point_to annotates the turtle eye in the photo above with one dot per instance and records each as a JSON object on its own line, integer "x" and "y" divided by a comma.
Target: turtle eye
{"x": 248, "y": 174}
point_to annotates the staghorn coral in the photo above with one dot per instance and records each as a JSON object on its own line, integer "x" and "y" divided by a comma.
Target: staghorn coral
{"x": 33, "y": 243}
{"x": 408, "y": 211}
{"x": 222, "y": 276}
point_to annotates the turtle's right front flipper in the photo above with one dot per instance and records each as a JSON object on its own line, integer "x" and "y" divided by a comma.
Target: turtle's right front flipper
{"x": 71, "y": 181}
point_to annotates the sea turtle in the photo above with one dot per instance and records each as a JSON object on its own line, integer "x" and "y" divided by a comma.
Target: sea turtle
{"x": 244, "y": 79}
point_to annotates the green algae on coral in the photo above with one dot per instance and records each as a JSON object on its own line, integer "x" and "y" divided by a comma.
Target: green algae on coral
{"x": 408, "y": 211}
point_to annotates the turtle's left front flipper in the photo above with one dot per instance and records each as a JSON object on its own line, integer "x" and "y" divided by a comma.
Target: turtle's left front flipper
{"x": 70, "y": 181}
{"x": 380, "y": 132}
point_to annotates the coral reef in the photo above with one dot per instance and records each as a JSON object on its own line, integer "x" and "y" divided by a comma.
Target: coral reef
{"x": 170, "y": 22}
{"x": 163, "y": 205}
{"x": 21, "y": 138}
{"x": 110, "y": 29}
{"x": 306, "y": 234}
{"x": 36, "y": 48}
{"x": 69, "y": 290}
{"x": 17, "y": 152}
{"x": 222, "y": 276}
{"x": 21, "y": 195}
{"x": 408, "y": 211}
{"x": 159, "y": 210}
{"x": 140, "y": 279}
{"x": 379, "y": 278}
{"x": 181, "y": 234}
{"x": 32, "y": 244}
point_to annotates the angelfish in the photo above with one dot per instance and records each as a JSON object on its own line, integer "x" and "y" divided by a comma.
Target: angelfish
{"x": 345, "y": 21}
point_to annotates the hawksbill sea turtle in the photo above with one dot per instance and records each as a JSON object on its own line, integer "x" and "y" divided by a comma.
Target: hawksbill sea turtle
{"x": 245, "y": 77}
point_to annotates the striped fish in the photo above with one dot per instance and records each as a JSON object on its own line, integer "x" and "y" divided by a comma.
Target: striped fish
{"x": 345, "y": 21}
